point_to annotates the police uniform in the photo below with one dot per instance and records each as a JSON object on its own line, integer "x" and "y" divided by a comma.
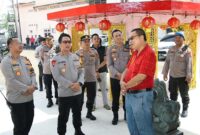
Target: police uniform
{"x": 117, "y": 58}
{"x": 90, "y": 62}
{"x": 37, "y": 51}
{"x": 19, "y": 75}
{"x": 179, "y": 66}
{"x": 67, "y": 70}
{"x": 45, "y": 59}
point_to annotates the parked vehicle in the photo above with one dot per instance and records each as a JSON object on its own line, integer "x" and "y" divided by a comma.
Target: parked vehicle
{"x": 164, "y": 45}
{"x": 3, "y": 47}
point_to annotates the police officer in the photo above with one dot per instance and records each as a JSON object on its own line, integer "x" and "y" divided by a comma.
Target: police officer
{"x": 102, "y": 68}
{"x": 20, "y": 85}
{"x": 69, "y": 74}
{"x": 45, "y": 59}
{"x": 90, "y": 61}
{"x": 117, "y": 57}
{"x": 37, "y": 50}
{"x": 179, "y": 65}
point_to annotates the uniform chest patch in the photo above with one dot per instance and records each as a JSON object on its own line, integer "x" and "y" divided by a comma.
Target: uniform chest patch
{"x": 53, "y": 62}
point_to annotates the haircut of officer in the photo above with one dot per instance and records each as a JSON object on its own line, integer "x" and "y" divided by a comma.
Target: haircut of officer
{"x": 20, "y": 85}
{"x": 90, "y": 62}
{"x": 69, "y": 74}
{"x": 102, "y": 68}
{"x": 45, "y": 57}
{"x": 178, "y": 65}
{"x": 117, "y": 58}
{"x": 136, "y": 84}
{"x": 37, "y": 51}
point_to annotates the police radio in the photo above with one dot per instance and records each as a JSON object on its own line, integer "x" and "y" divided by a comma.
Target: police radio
{"x": 185, "y": 47}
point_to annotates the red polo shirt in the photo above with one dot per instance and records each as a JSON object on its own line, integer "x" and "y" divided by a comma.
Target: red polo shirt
{"x": 144, "y": 63}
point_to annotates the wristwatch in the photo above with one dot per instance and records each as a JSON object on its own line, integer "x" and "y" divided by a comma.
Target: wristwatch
{"x": 80, "y": 84}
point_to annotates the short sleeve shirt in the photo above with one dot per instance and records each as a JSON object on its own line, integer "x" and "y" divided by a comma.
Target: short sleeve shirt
{"x": 144, "y": 63}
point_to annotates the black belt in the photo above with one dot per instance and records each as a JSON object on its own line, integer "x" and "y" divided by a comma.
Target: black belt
{"x": 139, "y": 91}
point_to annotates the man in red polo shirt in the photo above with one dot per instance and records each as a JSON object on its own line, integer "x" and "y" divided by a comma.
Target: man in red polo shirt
{"x": 137, "y": 83}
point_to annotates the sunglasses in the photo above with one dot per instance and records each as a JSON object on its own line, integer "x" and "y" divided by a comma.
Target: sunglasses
{"x": 67, "y": 42}
{"x": 86, "y": 40}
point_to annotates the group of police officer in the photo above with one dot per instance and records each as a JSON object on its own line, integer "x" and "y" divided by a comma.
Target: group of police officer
{"x": 73, "y": 73}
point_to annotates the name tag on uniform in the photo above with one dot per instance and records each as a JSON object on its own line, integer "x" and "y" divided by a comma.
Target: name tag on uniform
{"x": 126, "y": 50}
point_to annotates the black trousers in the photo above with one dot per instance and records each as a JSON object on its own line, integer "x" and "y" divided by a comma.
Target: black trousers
{"x": 64, "y": 106}
{"x": 22, "y": 116}
{"x": 91, "y": 94}
{"x": 40, "y": 75}
{"x": 116, "y": 90}
{"x": 180, "y": 84}
{"x": 48, "y": 83}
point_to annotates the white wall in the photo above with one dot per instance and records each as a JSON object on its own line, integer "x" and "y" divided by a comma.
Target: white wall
{"x": 36, "y": 21}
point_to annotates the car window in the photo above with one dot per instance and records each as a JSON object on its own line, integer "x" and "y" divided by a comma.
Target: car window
{"x": 170, "y": 39}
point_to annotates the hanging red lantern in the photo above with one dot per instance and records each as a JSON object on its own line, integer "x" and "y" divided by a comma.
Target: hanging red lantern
{"x": 173, "y": 22}
{"x": 80, "y": 26}
{"x": 195, "y": 24}
{"x": 60, "y": 27}
{"x": 104, "y": 24}
{"x": 148, "y": 22}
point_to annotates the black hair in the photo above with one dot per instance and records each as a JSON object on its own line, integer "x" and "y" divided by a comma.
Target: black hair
{"x": 140, "y": 32}
{"x": 116, "y": 30}
{"x": 41, "y": 39}
{"x": 9, "y": 41}
{"x": 95, "y": 34}
{"x": 63, "y": 35}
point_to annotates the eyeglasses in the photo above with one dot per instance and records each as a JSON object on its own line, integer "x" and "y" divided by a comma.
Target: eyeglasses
{"x": 67, "y": 42}
{"x": 133, "y": 37}
{"x": 87, "y": 40}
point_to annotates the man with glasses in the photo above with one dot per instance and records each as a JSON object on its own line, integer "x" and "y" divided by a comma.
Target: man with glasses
{"x": 90, "y": 62}
{"x": 102, "y": 68}
{"x": 20, "y": 85}
{"x": 179, "y": 63}
{"x": 137, "y": 82}
{"x": 117, "y": 57}
{"x": 69, "y": 74}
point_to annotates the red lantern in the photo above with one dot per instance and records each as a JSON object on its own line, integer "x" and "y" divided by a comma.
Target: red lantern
{"x": 60, "y": 27}
{"x": 104, "y": 24}
{"x": 148, "y": 22}
{"x": 80, "y": 26}
{"x": 173, "y": 22}
{"x": 195, "y": 24}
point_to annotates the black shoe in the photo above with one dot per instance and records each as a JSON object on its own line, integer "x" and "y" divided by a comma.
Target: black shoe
{"x": 78, "y": 132}
{"x": 50, "y": 103}
{"x": 90, "y": 116}
{"x": 115, "y": 119}
{"x": 56, "y": 101}
{"x": 184, "y": 114}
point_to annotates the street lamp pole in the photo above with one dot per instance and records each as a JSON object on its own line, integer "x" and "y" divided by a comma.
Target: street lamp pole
{"x": 19, "y": 22}
{"x": 17, "y": 19}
